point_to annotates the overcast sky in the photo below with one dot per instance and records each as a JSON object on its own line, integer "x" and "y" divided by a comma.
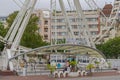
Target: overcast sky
{"x": 8, "y": 6}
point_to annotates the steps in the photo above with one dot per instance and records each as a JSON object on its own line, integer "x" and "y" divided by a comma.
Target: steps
{"x": 8, "y": 73}
{"x": 38, "y": 69}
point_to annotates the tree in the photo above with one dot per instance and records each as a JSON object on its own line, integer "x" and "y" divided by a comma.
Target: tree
{"x": 51, "y": 68}
{"x": 31, "y": 38}
{"x": 11, "y": 18}
{"x": 111, "y": 48}
{"x": 3, "y": 30}
{"x": 90, "y": 67}
{"x": 2, "y": 33}
{"x": 73, "y": 65}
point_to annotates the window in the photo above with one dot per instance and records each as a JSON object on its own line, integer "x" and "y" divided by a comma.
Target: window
{"x": 60, "y": 27}
{"x": 93, "y": 26}
{"x": 63, "y": 33}
{"x": 46, "y": 22}
{"x": 45, "y": 36}
{"x": 72, "y": 20}
{"x": 92, "y": 19}
{"x": 45, "y": 29}
{"x": 60, "y": 20}
{"x": 94, "y": 32}
{"x": 76, "y": 33}
{"x": 74, "y": 26}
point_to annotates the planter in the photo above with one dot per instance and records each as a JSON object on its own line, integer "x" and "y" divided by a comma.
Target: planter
{"x": 73, "y": 74}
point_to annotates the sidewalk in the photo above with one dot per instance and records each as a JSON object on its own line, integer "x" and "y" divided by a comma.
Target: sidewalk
{"x": 113, "y": 74}
{"x": 25, "y": 78}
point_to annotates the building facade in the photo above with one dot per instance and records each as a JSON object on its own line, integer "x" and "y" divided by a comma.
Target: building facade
{"x": 44, "y": 23}
{"x": 117, "y": 10}
{"x": 103, "y": 22}
{"x": 54, "y": 27}
{"x": 113, "y": 24}
{"x": 3, "y": 20}
{"x": 59, "y": 29}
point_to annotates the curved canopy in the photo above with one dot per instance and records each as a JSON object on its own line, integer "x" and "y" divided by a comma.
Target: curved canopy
{"x": 68, "y": 49}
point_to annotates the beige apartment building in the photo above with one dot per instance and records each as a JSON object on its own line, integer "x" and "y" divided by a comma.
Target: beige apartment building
{"x": 60, "y": 32}
{"x": 51, "y": 27}
{"x": 44, "y": 23}
{"x": 112, "y": 12}
{"x": 117, "y": 10}
{"x": 47, "y": 26}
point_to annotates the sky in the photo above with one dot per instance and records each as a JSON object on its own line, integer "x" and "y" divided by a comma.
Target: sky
{"x": 9, "y": 6}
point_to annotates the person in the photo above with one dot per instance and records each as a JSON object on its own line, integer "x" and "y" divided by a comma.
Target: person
{"x": 48, "y": 62}
{"x": 67, "y": 64}
{"x": 58, "y": 65}
{"x": 65, "y": 69}
{"x": 22, "y": 64}
{"x": 68, "y": 69}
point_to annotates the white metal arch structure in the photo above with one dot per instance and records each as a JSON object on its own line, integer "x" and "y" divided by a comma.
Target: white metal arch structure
{"x": 112, "y": 22}
{"x": 86, "y": 31}
{"x": 16, "y": 31}
{"x": 93, "y": 5}
{"x": 2, "y": 39}
{"x": 53, "y": 13}
{"x": 67, "y": 49}
{"x": 82, "y": 24}
{"x": 69, "y": 27}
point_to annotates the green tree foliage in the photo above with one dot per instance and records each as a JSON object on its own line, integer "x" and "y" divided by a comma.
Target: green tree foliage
{"x": 11, "y": 18}
{"x": 111, "y": 48}
{"x": 90, "y": 67}
{"x": 31, "y": 38}
{"x": 1, "y": 46}
{"x": 2, "y": 33}
{"x": 3, "y": 30}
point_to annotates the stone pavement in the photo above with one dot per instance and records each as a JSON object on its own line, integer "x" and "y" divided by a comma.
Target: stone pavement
{"x": 43, "y": 78}
{"x": 110, "y": 75}
{"x": 25, "y": 78}
{"x": 95, "y": 78}
{"x": 114, "y": 75}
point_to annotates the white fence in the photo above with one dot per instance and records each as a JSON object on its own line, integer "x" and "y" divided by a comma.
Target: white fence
{"x": 115, "y": 63}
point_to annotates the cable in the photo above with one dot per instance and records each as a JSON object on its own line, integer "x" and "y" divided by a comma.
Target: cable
{"x": 17, "y": 3}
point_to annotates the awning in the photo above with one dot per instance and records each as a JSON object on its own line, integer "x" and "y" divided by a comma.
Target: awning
{"x": 68, "y": 49}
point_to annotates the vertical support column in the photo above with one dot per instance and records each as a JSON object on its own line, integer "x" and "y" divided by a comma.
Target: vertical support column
{"x": 9, "y": 52}
{"x": 53, "y": 16}
{"x": 84, "y": 24}
{"x": 16, "y": 24}
{"x": 68, "y": 25}
{"x": 23, "y": 24}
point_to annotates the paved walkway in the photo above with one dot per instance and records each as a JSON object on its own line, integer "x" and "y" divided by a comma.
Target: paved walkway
{"x": 25, "y": 78}
{"x": 96, "y": 76}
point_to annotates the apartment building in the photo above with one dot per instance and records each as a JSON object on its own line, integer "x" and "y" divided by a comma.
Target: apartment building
{"x": 3, "y": 19}
{"x": 44, "y": 23}
{"x": 117, "y": 10}
{"x": 54, "y": 27}
{"x": 104, "y": 20}
{"x": 107, "y": 10}
{"x": 59, "y": 29}
{"x": 112, "y": 13}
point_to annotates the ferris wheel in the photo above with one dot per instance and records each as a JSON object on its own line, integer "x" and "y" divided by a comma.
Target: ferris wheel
{"x": 15, "y": 32}
{"x": 111, "y": 23}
